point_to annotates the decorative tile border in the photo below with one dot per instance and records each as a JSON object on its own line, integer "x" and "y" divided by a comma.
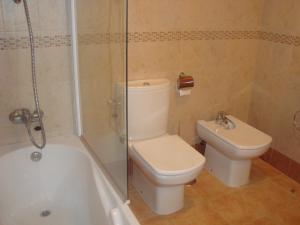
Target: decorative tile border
{"x": 191, "y": 35}
{"x": 280, "y": 38}
{"x": 101, "y": 38}
{"x": 213, "y": 35}
{"x": 11, "y": 43}
{"x": 135, "y": 37}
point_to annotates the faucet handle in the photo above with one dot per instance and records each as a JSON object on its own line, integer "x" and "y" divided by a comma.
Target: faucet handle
{"x": 19, "y": 116}
{"x": 221, "y": 116}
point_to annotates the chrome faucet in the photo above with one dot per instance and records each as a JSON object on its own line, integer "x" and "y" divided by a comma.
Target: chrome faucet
{"x": 224, "y": 121}
{"x": 221, "y": 117}
{"x": 24, "y": 116}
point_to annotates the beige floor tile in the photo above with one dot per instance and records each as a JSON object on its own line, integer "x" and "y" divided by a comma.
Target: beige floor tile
{"x": 290, "y": 215}
{"x": 157, "y": 221}
{"x": 196, "y": 215}
{"x": 288, "y": 184}
{"x": 209, "y": 187}
{"x": 139, "y": 207}
{"x": 270, "y": 198}
{"x": 269, "y": 195}
{"x": 265, "y": 221}
{"x": 237, "y": 208}
{"x": 261, "y": 171}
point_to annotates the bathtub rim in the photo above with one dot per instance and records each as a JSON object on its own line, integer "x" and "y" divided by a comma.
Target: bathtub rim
{"x": 77, "y": 144}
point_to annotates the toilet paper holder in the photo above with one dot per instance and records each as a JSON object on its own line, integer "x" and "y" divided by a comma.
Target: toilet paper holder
{"x": 185, "y": 81}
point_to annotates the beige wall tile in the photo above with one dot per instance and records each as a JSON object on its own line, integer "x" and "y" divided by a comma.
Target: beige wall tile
{"x": 14, "y": 18}
{"x": 93, "y": 16}
{"x": 54, "y": 85}
{"x": 282, "y": 16}
{"x": 223, "y": 73}
{"x": 255, "y": 80}
{"x": 164, "y": 15}
{"x": 276, "y": 96}
{"x": 53, "y": 16}
{"x": 1, "y": 17}
{"x": 53, "y": 66}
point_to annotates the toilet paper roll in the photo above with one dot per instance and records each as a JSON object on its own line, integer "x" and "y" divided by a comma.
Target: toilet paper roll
{"x": 184, "y": 91}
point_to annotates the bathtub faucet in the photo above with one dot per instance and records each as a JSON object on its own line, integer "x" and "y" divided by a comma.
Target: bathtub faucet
{"x": 23, "y": 116}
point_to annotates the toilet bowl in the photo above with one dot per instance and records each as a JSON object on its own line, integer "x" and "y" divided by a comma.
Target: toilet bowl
{"x": 162, "y": 163}
{"x": 229, "y": 151}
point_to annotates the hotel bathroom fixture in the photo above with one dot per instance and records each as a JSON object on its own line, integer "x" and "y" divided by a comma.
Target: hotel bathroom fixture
{"x": 74, "y": 191}
{"x": 24, "y": 115}
{"x": 224, "y": 121}
{"x": 162, "y": 163}
{"x": 185, "y": 83}
{"x": 229, "y": 151}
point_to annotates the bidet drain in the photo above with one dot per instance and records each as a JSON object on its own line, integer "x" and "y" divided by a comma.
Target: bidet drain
{"x": 45, "y": 213}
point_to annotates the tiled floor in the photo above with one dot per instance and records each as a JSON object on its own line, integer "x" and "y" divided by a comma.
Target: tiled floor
{"x": 271, "y": 198}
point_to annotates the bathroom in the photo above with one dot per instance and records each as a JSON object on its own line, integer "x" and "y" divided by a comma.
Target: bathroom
{"x": 243, "y": 56}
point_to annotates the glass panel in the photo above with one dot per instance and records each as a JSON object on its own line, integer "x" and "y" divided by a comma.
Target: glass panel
{"x": 101, "y": 28}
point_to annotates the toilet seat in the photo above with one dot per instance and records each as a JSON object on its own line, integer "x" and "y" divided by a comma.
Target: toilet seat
{"x": 168, "y": 155}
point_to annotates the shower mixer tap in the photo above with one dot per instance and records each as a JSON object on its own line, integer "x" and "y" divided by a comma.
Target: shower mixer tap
{"x": 24, "y": 116}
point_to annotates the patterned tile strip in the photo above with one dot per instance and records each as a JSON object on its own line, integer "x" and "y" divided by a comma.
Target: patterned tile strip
{"x": 191, "y": 35}
{"x": 135, "y": 37}
{"x": 11, "y": 43}
{"x": 101, "y": 38}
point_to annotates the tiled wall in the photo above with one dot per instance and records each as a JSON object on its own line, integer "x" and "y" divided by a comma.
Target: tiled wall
{"x": 214, "y": 41}
{"x": 53, "y": 57}
{"x": 276, "y": 90}
{"x": 244, "y": 56}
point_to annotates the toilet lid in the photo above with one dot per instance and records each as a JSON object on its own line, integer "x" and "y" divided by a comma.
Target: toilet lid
{"x": 168, "y": 155}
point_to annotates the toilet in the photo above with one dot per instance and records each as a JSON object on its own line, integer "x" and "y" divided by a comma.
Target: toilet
{"x": 162, "y": 163}
{"x": 229, "y": 152}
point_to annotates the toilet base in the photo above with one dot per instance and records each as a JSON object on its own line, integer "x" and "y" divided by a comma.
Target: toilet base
{"x": 233, "y": 173}
{"x": 162, "y": 200}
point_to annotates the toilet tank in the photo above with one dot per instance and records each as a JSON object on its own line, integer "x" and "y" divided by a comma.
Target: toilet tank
{"x": 148, "y": 107}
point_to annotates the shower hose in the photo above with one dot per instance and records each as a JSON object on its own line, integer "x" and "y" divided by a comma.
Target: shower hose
{"x": 34, "y": 86}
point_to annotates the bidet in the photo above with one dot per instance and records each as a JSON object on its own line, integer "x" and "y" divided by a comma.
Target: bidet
{"x": 229, "y": 150}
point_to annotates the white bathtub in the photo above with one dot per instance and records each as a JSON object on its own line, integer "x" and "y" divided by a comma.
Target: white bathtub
{"x": 66, "y": 181}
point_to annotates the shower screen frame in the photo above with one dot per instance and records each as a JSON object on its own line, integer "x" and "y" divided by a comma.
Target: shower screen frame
{"x": 77, "y": 106}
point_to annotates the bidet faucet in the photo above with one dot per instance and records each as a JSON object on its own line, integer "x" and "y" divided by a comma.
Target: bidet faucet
{"x": 224, "y": 121}
{"x": 221, "y": 117}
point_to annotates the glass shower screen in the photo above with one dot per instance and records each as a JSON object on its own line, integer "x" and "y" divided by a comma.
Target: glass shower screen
{"x": 101, "y": 29}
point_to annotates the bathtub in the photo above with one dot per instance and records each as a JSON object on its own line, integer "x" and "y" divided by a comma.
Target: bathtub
{"x": 66, "y": 187}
